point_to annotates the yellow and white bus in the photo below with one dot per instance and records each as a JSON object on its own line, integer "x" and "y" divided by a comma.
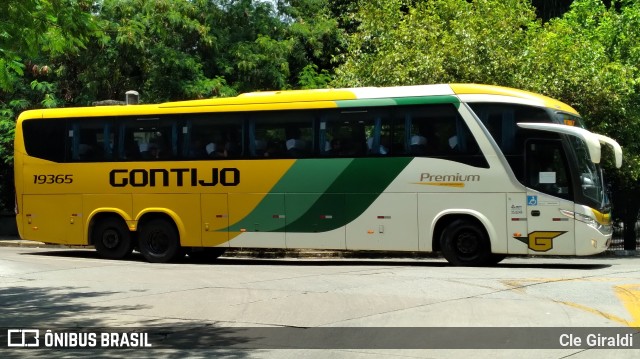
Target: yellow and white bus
{"x": 476, "y": 172}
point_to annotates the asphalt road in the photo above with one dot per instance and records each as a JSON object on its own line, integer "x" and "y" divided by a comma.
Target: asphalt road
{"x": 67, "y": 290}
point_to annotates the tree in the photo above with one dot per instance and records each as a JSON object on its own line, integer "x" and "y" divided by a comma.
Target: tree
{"x": 436, "y": 41}
{"x": 209, "y": 48}
{"x": 32, "y": 32}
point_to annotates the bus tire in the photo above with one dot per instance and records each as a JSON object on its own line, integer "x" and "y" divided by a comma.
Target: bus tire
{"x": 465, "y": 243}
{"x": 159, "y": 241}
{"x": 112, "y": 238}
{"x": 206, "y": 255}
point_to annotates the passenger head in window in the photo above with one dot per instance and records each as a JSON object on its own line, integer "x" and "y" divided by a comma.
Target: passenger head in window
{"x": 381, "y": 149}
{"x": 418, "y": 145}
{"x": 215, "y": 150}
{"x": 453, "y": 142}
{"x": 156, "y": 150}
{"x": 296, "y": 147}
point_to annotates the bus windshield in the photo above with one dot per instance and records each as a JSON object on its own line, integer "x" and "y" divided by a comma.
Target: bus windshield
{"x": 590, "y": 174}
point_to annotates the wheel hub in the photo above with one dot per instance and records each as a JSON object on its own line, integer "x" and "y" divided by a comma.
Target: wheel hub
{"x": 110, "y": 238}
{"x": 467, "y": 243}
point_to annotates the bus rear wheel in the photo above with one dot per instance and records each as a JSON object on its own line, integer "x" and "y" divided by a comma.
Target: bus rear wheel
{"x": 465, "y": 243}
{"x": 159, "y": 241}
{"x": 112, "y": 238}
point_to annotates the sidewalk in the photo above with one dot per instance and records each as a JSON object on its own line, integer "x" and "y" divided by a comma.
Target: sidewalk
{"x": 9, "y": 241}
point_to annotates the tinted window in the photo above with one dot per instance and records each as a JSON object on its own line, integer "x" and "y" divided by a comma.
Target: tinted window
{"x": 212, "y": 135}
{"x": 438, "y": 131}
{"x": 547, "y": 168}
{"x": 282, "y": 134}
{"x": 148, "y": 139}
{"x": 356, "y": 132}
{"x": 501, "y": 122}
{"x": 45, "y": 139}
{"x": 91, "y": 140}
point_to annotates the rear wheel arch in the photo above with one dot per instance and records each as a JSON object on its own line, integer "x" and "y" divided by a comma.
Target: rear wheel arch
{"x": 109, "y": 234}
{"x": 159, "y": 237}
{"x": 444, "y": 219}
{"x": 100, "y": 215}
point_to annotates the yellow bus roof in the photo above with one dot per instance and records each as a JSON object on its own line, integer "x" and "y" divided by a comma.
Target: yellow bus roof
{"x": 299, "y": 99}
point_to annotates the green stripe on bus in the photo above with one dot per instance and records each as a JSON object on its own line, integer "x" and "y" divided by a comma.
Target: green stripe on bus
{"x": 309, "y": 177}
{"x": 312, "y": 175}
{"x": 427, "y": 100}
{"x": 351, "y": 194}
{"x": 399, "y": 101}
{"x": 338, "y": 191}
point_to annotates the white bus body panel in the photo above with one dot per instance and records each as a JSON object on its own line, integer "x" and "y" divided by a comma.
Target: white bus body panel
{"x": 390, "y": 223}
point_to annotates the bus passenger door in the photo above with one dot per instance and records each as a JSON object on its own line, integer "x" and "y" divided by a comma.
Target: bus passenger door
{"x": 548, "y": 193}
{"x": 215, "y": 220}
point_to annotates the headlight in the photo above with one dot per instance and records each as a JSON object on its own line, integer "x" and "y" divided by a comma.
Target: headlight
{"x": 582, "y": 218}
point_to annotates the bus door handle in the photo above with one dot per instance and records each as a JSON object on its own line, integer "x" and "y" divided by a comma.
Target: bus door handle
{"x": 535, "y": 213}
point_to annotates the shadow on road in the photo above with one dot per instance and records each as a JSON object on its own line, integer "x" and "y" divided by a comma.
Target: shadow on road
{"x": 378, "y": 260}
{"x": 75, "y": 309}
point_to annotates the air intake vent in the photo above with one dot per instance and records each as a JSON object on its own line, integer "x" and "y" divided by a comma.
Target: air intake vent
{"x": 132, "y": 97}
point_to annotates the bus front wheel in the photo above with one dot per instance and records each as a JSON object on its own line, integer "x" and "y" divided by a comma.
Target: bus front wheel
{"x": 159, "y": 241}
{"x": 465, "y": 243}
{"x": 112, "y": 238}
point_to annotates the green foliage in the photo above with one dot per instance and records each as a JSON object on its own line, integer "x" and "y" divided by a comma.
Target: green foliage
{"x": 311, "y": 79}
{"x": 399, "y": 42}
{"x": 32, "y": 34}
{"x": 209, "y": 48}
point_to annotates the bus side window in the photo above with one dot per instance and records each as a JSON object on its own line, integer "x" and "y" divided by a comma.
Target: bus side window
{"x": 282, "y": 134}
{"x": 148, "y": 139}
{"x": 357, "y": 132}
{"x": 91, "y": 140}
{"x": 212, "y": 135}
